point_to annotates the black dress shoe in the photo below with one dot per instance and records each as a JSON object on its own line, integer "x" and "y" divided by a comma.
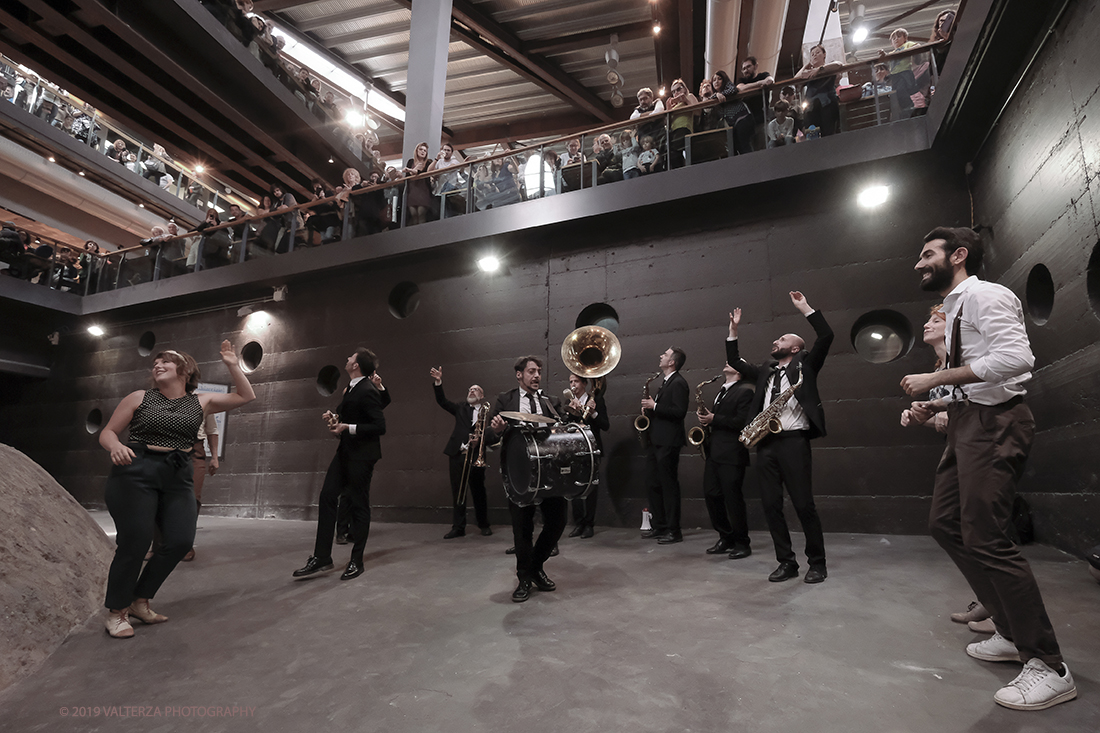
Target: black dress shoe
{"x": 576, "y": 531}
{"x": 670, "y": 539}
{"x": 542, "y": 582}
{"x": 486, "y": 532}
{"x": 353, "y": 570}
{"x": 522, "y": 591}
{"x": 511, "y": 550}
{"x": 740, "y": 552}
{"x": 587, "y": 533}
{"x": 816, "y": 575}
{"x": 719, "y": 547}
{"x": 454, "y": 533}
{"x": 341, "y": 539}
{"x": 650, "y": 534}
{"x": 313, "y": 565}
{"x": 785, "y": 571}
{"x": 554, "y": 552}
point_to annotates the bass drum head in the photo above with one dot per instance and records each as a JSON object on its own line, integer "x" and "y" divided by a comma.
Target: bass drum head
{"x": 515, "y": 467}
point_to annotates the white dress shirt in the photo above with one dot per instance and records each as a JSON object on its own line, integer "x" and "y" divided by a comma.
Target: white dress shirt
{"x": 994, "y": 341}
{"x": 792, "y": 416}
{"x": 525, "y": 404}
{"x": 351, "y": 386}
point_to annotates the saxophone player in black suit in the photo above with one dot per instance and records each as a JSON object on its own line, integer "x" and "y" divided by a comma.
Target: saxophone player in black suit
{"x": 726, "y": 461}
{"x": 462, "y": 448}
{"x": 359, "y": 425}
{"x": 584, "y": 510}
{"x": 531, "y": 555}
{"x": 783, "y": 458}
{"x": 666, "y": 412}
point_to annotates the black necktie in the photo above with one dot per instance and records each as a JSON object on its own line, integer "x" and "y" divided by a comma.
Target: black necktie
{"x": 721, "y": 394}
{"x": 531, "y": 401}
{"x": 777, "y": 372}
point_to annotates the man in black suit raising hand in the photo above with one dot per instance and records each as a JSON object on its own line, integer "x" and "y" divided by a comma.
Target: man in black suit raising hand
{"x": 783, "y": 458}
{"x": 462, "y": 449}
{"x": 358, "y": 423}
{"x": 666, "y": 412}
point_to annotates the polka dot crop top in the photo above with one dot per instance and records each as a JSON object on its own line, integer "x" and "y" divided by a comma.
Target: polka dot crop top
{"x": 167, "y": 423}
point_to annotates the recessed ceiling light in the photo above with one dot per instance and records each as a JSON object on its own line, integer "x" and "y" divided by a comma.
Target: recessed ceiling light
{"x": 873, "y": 196}
{"x": 860, "y": 34}
{"x": 489, "y": 263}
{"x": 80, "y": 173}
{"x": 51, "y": 159}
{"x": 96, "y": 330}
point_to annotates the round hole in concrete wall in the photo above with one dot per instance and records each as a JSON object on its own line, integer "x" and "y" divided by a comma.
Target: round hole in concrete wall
{"x": 599, "y": 314}
{"x": 1040, "y": 294}
{"x": 251, "y": 356}
{"x": 1093, "y": 280}
{"x": 94, "y": 421}
{"x": 882, "y": 336}
{"x": 146, "y": 343}
{"x": 404, "y": 299}
{"x": 328, "y": 379}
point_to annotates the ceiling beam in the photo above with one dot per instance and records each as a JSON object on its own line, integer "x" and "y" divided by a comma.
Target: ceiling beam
{"x": 365, "y": 34}
{"x": 481, "y": 31}
{"x": 323, "y": 21}
{"x": 576, "y": 41}
{"x": 270, "y": 6}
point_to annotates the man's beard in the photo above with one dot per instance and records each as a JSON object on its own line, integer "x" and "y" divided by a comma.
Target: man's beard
{"x": 938, "y": 279}
{"x": 472, "y": 400}
{"x": 781, "y": 353}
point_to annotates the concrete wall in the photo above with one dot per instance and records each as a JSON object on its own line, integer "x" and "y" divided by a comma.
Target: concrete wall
{"x": 1035, "y": 185}
{"x": 671, "y": 272}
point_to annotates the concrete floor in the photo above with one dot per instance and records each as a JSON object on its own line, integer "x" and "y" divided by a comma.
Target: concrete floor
{"x": 638, "y": 637}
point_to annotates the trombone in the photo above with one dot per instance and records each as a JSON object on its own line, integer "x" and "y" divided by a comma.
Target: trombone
{"x": 479, "y": 461}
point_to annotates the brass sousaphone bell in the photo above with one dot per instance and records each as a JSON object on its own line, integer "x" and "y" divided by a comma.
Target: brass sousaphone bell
{"x": 591, "y": 352}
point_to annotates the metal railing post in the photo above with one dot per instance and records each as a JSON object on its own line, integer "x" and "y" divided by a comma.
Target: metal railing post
{"x": 91, "y": 131}
{"x": 156, "y": 262}
{"x": 874, "y": 91}
{"x": 404, "y": 203}
{"x": 293, "y": 231}
{"x": 346, "y": 219}
{"x": 542, "y": 172}
{"x": 201, "y": 244}
{"x": 244, "y": 241}
{"x": 470, "y": 190}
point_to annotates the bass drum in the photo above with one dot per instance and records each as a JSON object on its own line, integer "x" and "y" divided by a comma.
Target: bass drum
{"x": 560, "y": 461}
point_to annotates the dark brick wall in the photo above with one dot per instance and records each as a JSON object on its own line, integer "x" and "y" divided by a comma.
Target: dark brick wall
{"x": 672, "y": 273}
{"x": 1034, "y": 184}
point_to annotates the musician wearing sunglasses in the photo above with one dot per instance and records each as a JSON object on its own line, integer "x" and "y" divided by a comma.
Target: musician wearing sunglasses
{"x": 531, "y": 554}
{"x": 787, "y": 399}
{"x": 463, "y": 450}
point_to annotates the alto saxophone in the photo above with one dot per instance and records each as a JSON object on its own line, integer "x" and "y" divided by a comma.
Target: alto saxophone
{"x": 768, "y": 419}
{"x": 641, "y": 423}
{"x": 697, "y": 436}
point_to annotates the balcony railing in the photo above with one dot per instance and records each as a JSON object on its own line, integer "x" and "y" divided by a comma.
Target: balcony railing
{"x": 537, "y": 171}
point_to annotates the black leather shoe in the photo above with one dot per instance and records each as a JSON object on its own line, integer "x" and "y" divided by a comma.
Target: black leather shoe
{"x": 816, "y": 575}
{"x": 554, "y": 552}
{"x": 313, "y": 565}
{"x": 454, "y": 533}
{"x": 650, "y": 534}
{"x": 486, "y": 532}
{"x": 670, "y": 539}
{"x": 522, "y": 591}
{"x": 576, "y": 531}
{"x": 341, "y": 539}
{"x": 739, "y": 552}
{"x": 719, "y": 547}
{"x": 353, "y": 570}
{"x": 587, "y": 533}
{"x": 785, "y": 571}
{"x": 511, "y": 550}
{"x": 542, "y": 582}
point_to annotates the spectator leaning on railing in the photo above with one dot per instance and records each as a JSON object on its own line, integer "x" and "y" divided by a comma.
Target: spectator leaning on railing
{"x": 902, "y": 77}
{"x": 734, "y": 112}
{"x": 823, "y": 112}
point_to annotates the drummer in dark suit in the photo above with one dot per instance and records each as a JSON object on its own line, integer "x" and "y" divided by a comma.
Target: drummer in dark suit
{"x": 584, "y": 509}
{"x": 530, "y": 556}
{"x": 727, "y": 459}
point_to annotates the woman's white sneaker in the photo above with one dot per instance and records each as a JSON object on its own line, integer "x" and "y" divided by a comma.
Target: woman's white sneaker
{"x": 994, "y": 649}
{"x": 118, "y": 624}
{"x": 1037, "y": 687}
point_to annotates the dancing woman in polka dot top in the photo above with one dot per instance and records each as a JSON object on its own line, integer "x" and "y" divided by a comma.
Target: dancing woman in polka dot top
{"x": 152, "y": 479}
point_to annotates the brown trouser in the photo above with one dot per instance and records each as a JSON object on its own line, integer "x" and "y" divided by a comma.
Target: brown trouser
{"x": 986, "y": 451}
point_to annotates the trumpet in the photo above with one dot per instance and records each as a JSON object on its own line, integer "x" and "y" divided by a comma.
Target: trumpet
{"x": 698, "y": 435}
{"x": 641, "y": 423}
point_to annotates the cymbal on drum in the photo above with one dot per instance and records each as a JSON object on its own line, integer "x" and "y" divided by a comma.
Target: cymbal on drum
{"x": 527, "y": 417}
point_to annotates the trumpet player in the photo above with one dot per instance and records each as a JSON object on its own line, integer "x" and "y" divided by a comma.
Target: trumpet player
{"x": 666, "y": 412}
{"x": 783, "y": 458}
{"x": 463, "y": 450}
{"x": 727, "y": 459}
{"x": 595, "y": 417}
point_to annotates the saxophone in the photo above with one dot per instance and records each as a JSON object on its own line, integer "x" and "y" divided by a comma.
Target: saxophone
{"x": 641, "y": 423}
{"x": 768, "y": 419}
{"x": 697, "y": 436}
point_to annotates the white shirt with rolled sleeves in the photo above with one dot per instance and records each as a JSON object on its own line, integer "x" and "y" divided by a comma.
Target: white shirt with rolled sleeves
{"x": 994, "y": 341}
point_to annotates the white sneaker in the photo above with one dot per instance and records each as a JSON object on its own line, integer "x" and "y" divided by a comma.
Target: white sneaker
{"x": 1038, "y": 687}
{"x": 118, "y": 624}
{"x": 994, "y": 649}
